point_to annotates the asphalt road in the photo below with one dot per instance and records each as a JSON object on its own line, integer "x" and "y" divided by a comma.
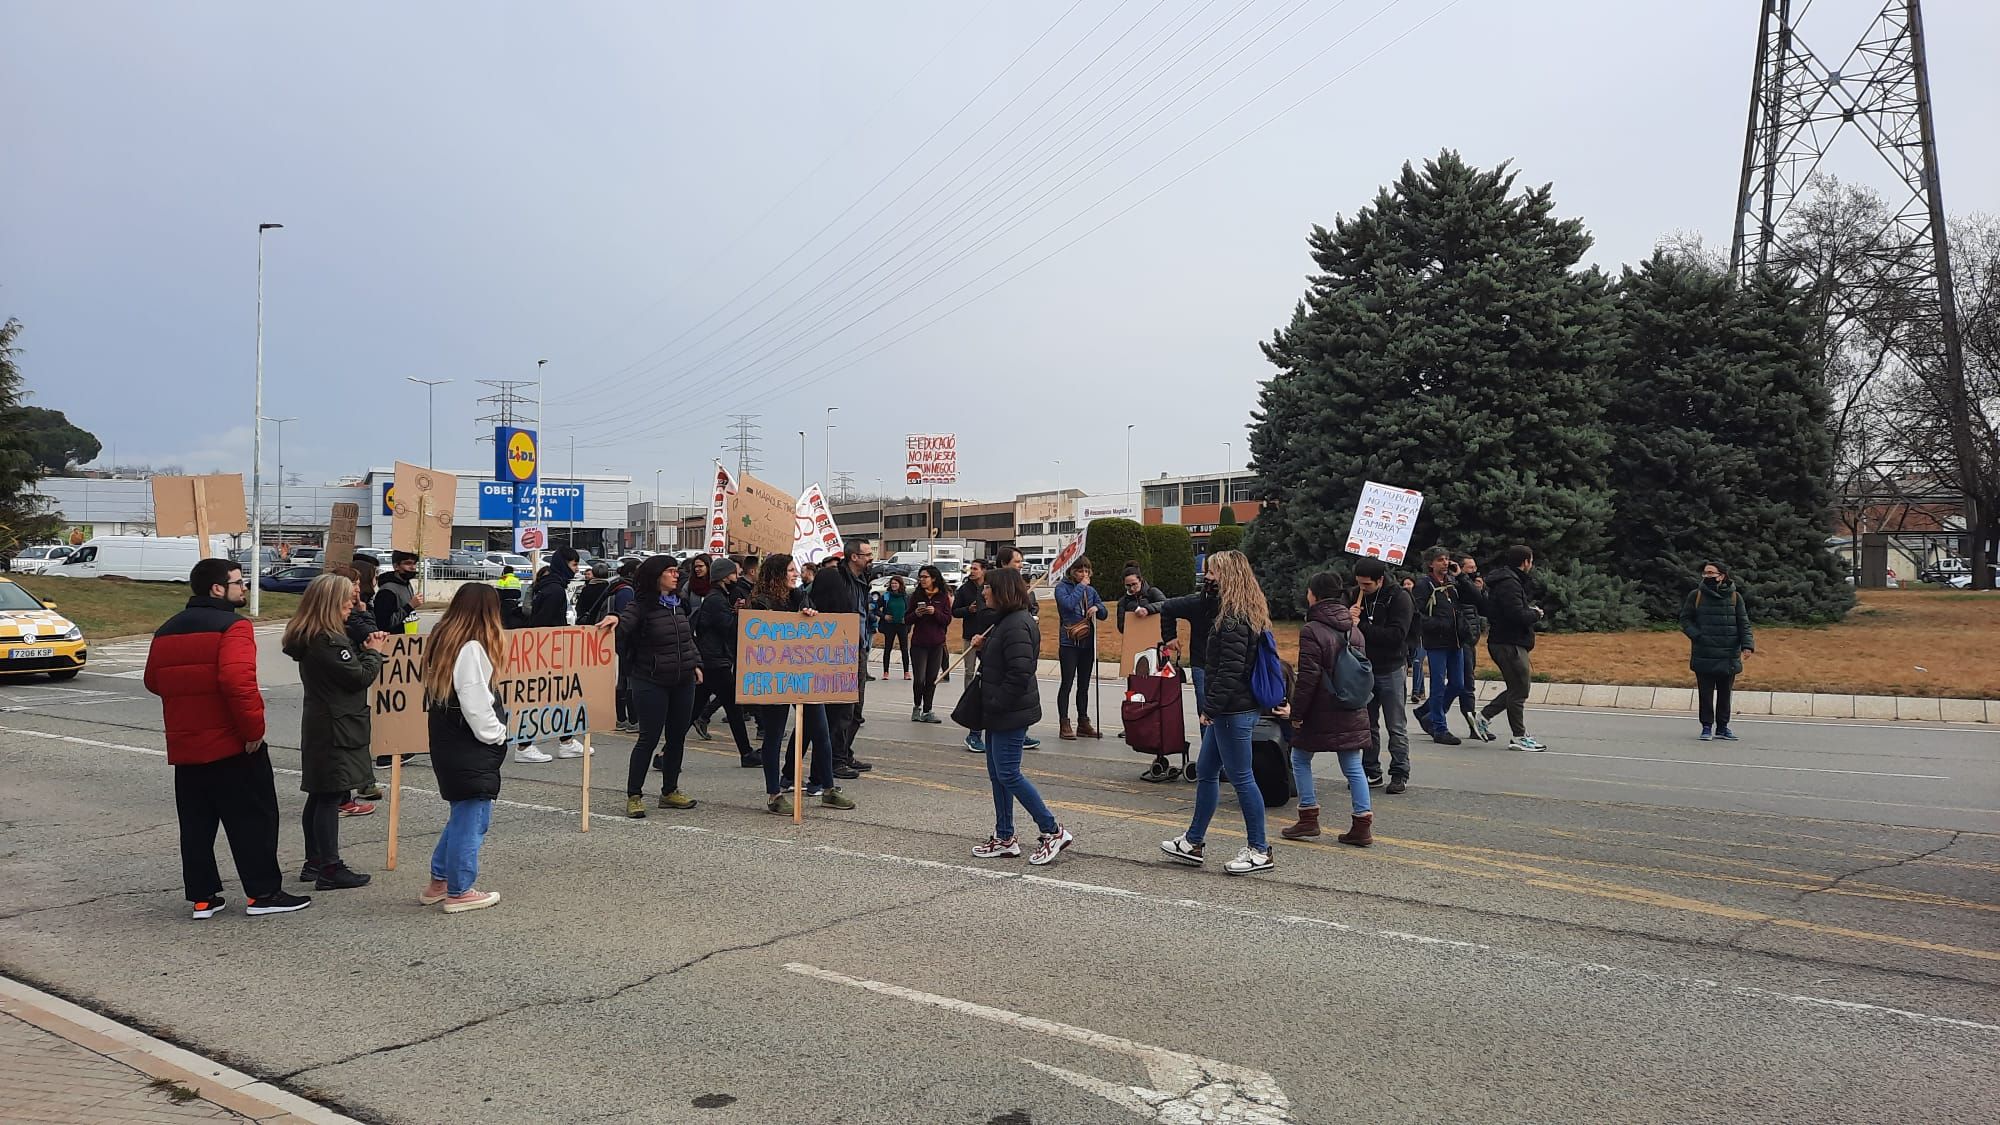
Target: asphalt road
{"x": 1633, "y": 927}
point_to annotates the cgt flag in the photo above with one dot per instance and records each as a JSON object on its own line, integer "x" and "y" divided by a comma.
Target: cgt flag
{"x": 718, "y": 511}
{"x": 1072, "y": 551}
{"x": 815, "y": 535}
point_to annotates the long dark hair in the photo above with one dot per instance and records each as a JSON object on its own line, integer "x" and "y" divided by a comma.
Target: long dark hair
{"x": 646, "y": 584}
{"x": 773, "y": 580}
{"x": 473, "y": 615}
{"x": 935, "y": 575}
{"x": 897, "y": 586}
{"x": 1006, "y": 590}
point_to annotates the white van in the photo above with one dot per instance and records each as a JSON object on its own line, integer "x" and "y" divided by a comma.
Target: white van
{"x": 142, "y": 558}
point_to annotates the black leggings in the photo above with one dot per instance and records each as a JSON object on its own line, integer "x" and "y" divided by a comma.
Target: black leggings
{"x": 891, "y": 636}
{"x": 664, "y": 713}
{"x": 718, "y": 690}
{"x": 1075, "y": 671}
{"x": 322, "y": 827}
{"x": 930, "y": 663}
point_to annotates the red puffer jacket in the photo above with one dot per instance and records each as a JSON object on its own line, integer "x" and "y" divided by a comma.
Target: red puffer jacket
{"x": 203, "y": 666}
{"x": 1319, "y": 724}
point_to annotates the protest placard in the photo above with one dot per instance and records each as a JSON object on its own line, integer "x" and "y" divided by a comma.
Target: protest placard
{"x": 423, "y": 505}
{"x": 340, "y": 532}
{"x": 1383, "y": 521}
{"x": 761, "y": 518}
{"x": 815, "y": 535}
{"x": 930, "y": 459}
{"x": 1141, "y": 634}
{"x": 786, "y": 658}
{"x": 200, "y": 506}
{"x": 718, "y": 511}
{"x": 559, "y": 683}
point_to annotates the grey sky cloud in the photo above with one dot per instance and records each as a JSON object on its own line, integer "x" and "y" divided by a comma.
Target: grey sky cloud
{"x": 467, "y": 188}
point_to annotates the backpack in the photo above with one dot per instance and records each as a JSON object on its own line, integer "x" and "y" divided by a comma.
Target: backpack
{"x": 1267, "y": 674}
{"x": 1349, "y": 679}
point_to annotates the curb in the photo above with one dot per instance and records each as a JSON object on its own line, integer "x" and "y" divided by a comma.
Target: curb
{"x": 217, "y": 1084}
{"x": 1761, "y": 704}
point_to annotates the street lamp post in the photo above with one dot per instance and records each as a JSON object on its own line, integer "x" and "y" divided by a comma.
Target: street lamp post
{"x": 1222, "y": 486}
{"x": 1128, "y": 469}
{"x": 882, "y": 512}
{"x": 430, "y": 389}
{"x": 280, "y": 423}
{"x": 257, "y": 437}
{"x": 802, "y": 462}
{"x": 656, "y": 508}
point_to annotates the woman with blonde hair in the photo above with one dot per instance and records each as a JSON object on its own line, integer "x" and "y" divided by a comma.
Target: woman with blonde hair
{"x": 468, "y": 738}
{"x": 334, "y": 734}
{"x": 1241, "y": 620}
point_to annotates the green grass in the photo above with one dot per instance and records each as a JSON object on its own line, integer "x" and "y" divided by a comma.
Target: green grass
{"x": 107, "y": 608}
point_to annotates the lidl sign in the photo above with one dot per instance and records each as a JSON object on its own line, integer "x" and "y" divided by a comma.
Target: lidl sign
{"x": 517, "y": 456}
{"x": 388, "y": 497}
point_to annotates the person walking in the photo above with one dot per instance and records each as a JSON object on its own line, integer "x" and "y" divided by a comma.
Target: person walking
{"x": 203, "y": 665}
{"x": 966, "y": 605}
{"x": 658, "y": 633}
{"x": 930, "y": 628}
{"x": 1416, "y": 695}
{"x": 1510, "y": 606}
{"x": 1241, "y": 620}
{"x": 891, "y": 612}
{"x": 333, "y": 733}
{"x": 592, "y": 600}
{"x": 1384, "y": 615}
{"x": 1141, "y": 598}
{"x": 548, "y": 608}
{"x": 1472, "y": 611}
{"x": 616, "y": 597}
{"x": 1077, "y": 603}
{"x": 779, "y": 590}
{"x": 715, "y": 640}
{"x": 468, "y": 739}
{"x": 1320, "y": 725}
{"x": 1011, "y": 702}
{"x": 1441, "y": 627}
{"x": 841, "y": 586}
{"x": 697, "y": 577}
{"x": 709, "y": 699}
{"x": 1717, "y": 624}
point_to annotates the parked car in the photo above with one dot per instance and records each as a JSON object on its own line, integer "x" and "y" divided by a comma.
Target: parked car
{"x": 302, "y": 555}
{"x": 37, "y": 560}
{"x": 142, "y": 558}
{"x": 289, "y": 580}
{"x": 35, "y": 639}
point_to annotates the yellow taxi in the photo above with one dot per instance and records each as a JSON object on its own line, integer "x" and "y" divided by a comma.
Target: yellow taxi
{"x": 35, "y": 640}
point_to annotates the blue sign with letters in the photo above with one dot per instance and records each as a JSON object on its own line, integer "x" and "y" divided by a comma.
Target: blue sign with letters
{"x": 388, "y": 497}
{"x": 544, "y": 503}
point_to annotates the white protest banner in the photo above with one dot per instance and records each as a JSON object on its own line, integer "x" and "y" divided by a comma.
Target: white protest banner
{"x": 930, "y": 459}
{"x": 1383, "y": 521}
{"x": 718, "y": 511}
{"x": 1071, "y": 551}
{"x": 814, "y": 533}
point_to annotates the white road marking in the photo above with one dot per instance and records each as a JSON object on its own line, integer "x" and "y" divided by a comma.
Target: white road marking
{"x": 1185, "y": 1088}
{"x": 1742, "y": 765}
{"x": 1926, "y": 725}
{"x": 1534, "y": 960}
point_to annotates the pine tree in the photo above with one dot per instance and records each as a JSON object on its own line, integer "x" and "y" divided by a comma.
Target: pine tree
{"x": 1719, "y": 429}
{"x": 1450, "y": 345}
{"x": 24, "y": 514}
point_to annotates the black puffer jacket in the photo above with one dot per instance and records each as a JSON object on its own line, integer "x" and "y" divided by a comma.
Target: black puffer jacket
{"x": 1385, "y": 621}
{"x": 1718, "y": 623}
{"x": 1232, "y": 653}
{"x": 550, "y": 598}
{"x": 466, "y": 768}
{"x": 660, "y": 640}
{"x": 967, "y": 604}
{"x": 1007, "y": 664}
{"x": 1198, "y": 610}
{"x": 715, "y": 627}
{"x": 333, "y": 736}
{"x": 1510, "y": 606}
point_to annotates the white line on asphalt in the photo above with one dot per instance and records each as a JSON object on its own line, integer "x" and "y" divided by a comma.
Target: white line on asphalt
{"x": 1742, "y": 765}
{"x": 1291, "y": 920}
{"x": 1926, "y": 725}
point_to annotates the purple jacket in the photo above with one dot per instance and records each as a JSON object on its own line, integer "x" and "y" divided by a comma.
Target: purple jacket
{"x": 934, "y": 630}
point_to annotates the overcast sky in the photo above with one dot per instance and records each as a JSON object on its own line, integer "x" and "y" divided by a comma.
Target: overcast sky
{"x": 692, "y": 210}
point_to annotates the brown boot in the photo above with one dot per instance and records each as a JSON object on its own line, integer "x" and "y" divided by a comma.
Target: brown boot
{"x": 1068, "y": 733}
{"x": 1306, "y": 828}
{"x": 1085, "y": 730}
{"x": 1363, "y": 832}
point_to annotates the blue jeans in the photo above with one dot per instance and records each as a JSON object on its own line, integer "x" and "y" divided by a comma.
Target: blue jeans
{"x": 1417, "y": 671}
{"x": 1350, "y": 765}
{"x": 1225, "y": 747}
{"x": 1003, "y": 770}
{"x": 456, "y": 857}
{"x": 1200, "y": 690}
{"x": 1447, "y": 684}
{"x": 777, "y": 753}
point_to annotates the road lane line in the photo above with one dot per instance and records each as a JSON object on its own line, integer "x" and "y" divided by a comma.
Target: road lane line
{"x": 1742, "y": 765}
{"x": 1743, "y": 793}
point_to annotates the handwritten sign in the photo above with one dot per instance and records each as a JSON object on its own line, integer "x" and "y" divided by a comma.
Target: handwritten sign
{"x": 399, "y": 725}
{"x": 1383, "y": 521}
{"x": 761, "y": 518}
{"x": 556, "y": 682}
{"x": 424, "y": 502}
{"x": 785, "y": 658}
{"x": 340, "y": 531}
{"x": 930, "y": 459}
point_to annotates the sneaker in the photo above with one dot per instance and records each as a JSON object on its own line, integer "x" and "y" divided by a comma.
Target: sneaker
{"x": 1376, "y": 780}
{"x": 1725, "y": 734}
{"x": 996, "y": 848}
{"x": 1525, "y": 744}
{"x": 835, "y": 799}
{"x": 372, "y": 793}
{"x": 309, "y": 873}
{"x": 628, "y": 726}
{"x": 754, "y": 760}
{"x": 339, "y": 877}
{"x": 1032, "y": 743}
{"x": 635, "y": 808}
{"x": 846, "y": 773}
{"x": 1249, "y": 861}
{"x": 677, "y": 800}
{"x": 858, "y": 764}
{"x": 434, "y": 893}
{"x": 1049, "y": 845}
{"x": 279, "y": 903}
{"x": 356, "y": 808}
{"x": 975, "y": 744}
{"x": 780, "y": 804}
{"x": 1182, "y": 850}
{"x": 701, "y": 730}
{"x": 570, "y": 748}
{"x": 1482, "y": 728}
{"x": 1707, "y": 733}
{"x": 930, "y": 717}
{"x": 815, "y": 791}
{"x": 382, "y": 761}
{"x": 470, "y": 900}
{"x": 1397, "y": 785}
{"x": 209, "y": 907}
{"x": 531, "y": 753}
{"x": 1444, "y": 737}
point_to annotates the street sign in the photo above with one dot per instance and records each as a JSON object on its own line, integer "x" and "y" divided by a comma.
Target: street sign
{"x": 517, "y": 456}
{"x": 543, "y": 503}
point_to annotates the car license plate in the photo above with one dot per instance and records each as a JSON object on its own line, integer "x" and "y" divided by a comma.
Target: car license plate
{"x": 31, "y": 653}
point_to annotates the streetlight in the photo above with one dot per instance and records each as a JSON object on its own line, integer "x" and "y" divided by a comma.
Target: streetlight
{"x": 257, "y": 436}
{"x": 881, "y": 511}
{"x": 802, "y": 462}
{"x": 1128, "y": 469}
{"x": 1222, "y": 486}
{"x": 827, "y": 442}
{"x": 280, "y": 423}
{"x": 431, "y": 386}
{"x": 656, "y": 508}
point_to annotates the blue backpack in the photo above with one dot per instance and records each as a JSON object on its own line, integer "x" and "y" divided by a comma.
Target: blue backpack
{"x": 1267, "y": 674}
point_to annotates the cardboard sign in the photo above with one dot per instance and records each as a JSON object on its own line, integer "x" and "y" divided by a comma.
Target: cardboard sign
{"x": 930, "y": 459}
{"x": 340, "y": 534}
{"x": 1141, "y": 633}
{"x": 1383, "y": 521}
{"x": 435, "y": 496}
{"x": 399, "y": 725}
{"x": 785, "y": 658}
{"x": 814, "y": 533}
{"x": 221, "y": 508}
{"x": 761, "y": 518}
{"x": 556, "y": 682}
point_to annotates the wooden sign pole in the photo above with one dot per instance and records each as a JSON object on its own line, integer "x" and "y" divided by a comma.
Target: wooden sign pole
{"x": 423, "y": 572}
{"x": 201, "y": 516}
{"x": 799, "y": 764}
{"x": 395, "y": 804}
{"x": 586, "y": 781}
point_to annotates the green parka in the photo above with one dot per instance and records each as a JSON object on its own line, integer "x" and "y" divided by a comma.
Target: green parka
{"x": 333, "y": 739}
{"x": 1716, "y": 620}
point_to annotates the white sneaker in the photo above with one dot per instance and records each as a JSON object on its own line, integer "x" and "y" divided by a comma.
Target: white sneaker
{"x": 1525, "y": 744}
{"x": 531, "y": 753}
{"x": 1181, "y": 850}
{"x": 571, "y": 748}
{"x": 996, "y": 848}
{"x": 1249, "y": 861}
{"x": 1050, "y": 846}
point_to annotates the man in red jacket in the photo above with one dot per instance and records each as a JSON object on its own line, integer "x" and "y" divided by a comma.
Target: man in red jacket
{"x": 203, "y": 666}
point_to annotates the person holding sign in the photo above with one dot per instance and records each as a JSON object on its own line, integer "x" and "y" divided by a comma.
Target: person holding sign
{"x": 1010, "y": 701}
{"x": 778, "y": 591}
{"x": 658, "y": 633}
{"x": 333, "y": 735}
{"x": 715, "y": 638}
{"x": 468, "y": 740}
